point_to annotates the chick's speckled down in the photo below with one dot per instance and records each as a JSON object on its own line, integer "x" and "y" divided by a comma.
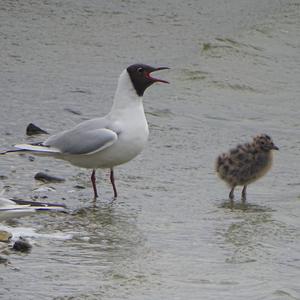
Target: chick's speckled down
{"x": 246, "y": 163}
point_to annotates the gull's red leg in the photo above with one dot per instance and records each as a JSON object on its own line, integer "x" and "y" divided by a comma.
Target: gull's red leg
{"x": 93, "y": 179}
{"x": 112, "y": 180}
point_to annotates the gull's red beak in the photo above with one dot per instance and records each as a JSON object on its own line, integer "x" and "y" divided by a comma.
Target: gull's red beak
{"x": 148, "y": 75}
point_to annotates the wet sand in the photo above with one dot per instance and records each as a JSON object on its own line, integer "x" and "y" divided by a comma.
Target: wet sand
{"x": 170, "y": 234}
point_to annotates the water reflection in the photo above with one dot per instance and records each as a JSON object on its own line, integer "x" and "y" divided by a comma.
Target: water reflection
{"x": 244, "y": 206}
{"x": 104, "y": 250}
{"x": 252, "y": 234}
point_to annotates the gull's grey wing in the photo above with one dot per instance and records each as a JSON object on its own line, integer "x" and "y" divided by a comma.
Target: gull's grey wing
{"x": 82, "y": 141}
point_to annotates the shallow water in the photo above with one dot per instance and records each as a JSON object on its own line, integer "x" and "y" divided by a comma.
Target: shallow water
{"x": 171, "y": 233}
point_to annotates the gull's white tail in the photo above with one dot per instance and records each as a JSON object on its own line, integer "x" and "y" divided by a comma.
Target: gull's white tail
{"x": 32, "y": 148}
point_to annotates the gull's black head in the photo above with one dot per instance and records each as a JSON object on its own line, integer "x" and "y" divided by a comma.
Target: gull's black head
{"x": 141, "y": 78}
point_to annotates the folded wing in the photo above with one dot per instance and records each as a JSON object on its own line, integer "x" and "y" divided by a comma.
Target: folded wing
{"x": 82, "y": 142}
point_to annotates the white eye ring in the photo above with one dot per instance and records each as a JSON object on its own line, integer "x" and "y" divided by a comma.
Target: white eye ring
{"x": 140, "y": 70}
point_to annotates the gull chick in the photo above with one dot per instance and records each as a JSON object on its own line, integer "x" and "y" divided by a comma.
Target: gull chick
{"x": 246, "y": 163}
{"x": 108, "y": 141}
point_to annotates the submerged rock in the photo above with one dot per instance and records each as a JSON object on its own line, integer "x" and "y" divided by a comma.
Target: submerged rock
{"x": 3, "y": 260}
{"x": 5, "y": 236}
{"x": 33, "y": 129}
{"x": 22, "y": 245}
{"x": 73, "y": 111}
{"x": 79, "y": 187}
{"x": 41, "y": 176}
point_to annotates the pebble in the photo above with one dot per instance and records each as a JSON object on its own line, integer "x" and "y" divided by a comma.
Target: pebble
{"x": 73, "y": 111}
{"x": 3, "y": 260}
{"x": 22, "y": 245}
{"x": 33, "y": 129}
{"x": 79, "y": 187}
{"x": 41, "y": 176}
{"x": 5, "y": 236}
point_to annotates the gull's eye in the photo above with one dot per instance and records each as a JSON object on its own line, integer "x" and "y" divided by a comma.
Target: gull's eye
{"x": 140, "y": 70}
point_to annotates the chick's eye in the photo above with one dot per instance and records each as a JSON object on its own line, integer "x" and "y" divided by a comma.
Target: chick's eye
{"x": 140, "y": 70}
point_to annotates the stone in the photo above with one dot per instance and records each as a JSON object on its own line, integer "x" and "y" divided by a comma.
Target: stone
{"x": 5, "y": 236}
{"x": 22, "y": 245}
{"x": 33, "y": 129}
{"x": 41, "y": 176}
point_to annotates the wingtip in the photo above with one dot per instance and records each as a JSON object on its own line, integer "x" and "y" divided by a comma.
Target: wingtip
{"x": 36, "y": 148}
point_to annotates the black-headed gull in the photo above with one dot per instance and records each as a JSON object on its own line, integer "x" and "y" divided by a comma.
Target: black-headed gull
{"x": 108, "y": 141}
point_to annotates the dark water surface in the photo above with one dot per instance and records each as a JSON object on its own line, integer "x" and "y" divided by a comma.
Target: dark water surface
{"x": 170, "y": 234}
